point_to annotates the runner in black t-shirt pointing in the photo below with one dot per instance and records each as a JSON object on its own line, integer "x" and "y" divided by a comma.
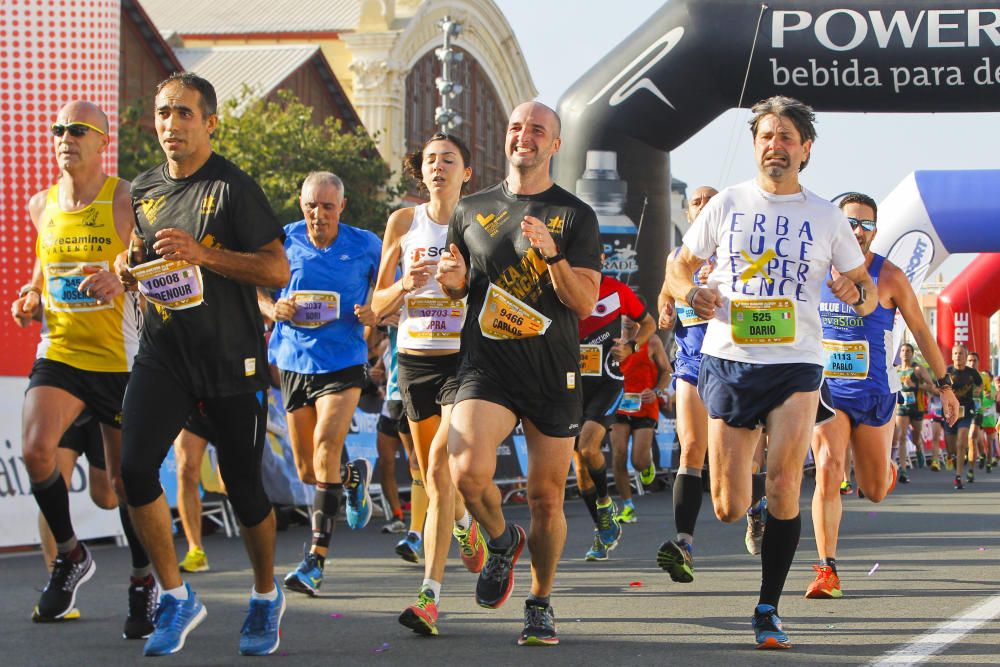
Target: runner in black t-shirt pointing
{"x": 205, "y": 236}
{"x": 527, "y": 254}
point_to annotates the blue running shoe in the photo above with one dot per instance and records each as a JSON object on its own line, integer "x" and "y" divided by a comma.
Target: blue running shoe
{"x": 359, "y": 502}
{"x": 598, "y": 551}
{"x": 308, "y": 577}
{"x": 261, "y": 633}
{"x": 410, "y": 548}
{"x": 173, "y": 621}
{"x": 607, "y": 525}
{"x": 767, "y": 628}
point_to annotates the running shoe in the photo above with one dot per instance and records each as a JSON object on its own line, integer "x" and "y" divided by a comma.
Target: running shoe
{"x": 261, "y": 632}
{"x": 359, "y": 502}
{"x": 921, "y": 460}
{"x": 71, "y": 615}
{"x": 958, "y": 483}
{"x": 846, "y": 488}
{"x": 142, "y": 597}
{"x": 59, "y": 596}
{"x": 949, "y": 463}
{"x": 598, "y": 551}
{"x": 422, "y": 615}
{"x": 607, "y": 525}
{"x": 471, "y": 546}
{"x": 628, "y": 514}
{"x": 989, "y": 466}
{"x": 394, "y": 527}
{"x": 756, "y": 519}
{"x": 981, "y": 462}
{"x": 410, "y": 548}
{"x": 195, "y": 561}
{"x": 677, "y": 559}
{"x": 174, "y": 620}
{"x": 539, "y": 626}
{"x": 903, "y": 478}
{"x": 970, "y": 476}
{"x": 496, "y": 580}
{"x": 648, "y": 476}
{"x": 895, "y": 475}
{"x": 826, "y": 585}
{"x": 767, "y": 628}
{"x": 935, "y": 465}
{"x": 307, "y": 578}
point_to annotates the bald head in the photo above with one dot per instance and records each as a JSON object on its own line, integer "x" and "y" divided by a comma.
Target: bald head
{"x": 539, "y": 113}
{"x": 82, "y": 111}
{"x": 698, "y": 199}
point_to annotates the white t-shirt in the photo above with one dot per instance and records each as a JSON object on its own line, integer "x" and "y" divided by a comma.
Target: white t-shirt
{"x": 774, "y": 254}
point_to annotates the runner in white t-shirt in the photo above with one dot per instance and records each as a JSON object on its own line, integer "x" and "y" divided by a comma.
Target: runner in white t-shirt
{"x": 761, "y": 359}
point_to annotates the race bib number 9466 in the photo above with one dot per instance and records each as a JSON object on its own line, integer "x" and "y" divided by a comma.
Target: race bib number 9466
{"x": 505, "y": 317}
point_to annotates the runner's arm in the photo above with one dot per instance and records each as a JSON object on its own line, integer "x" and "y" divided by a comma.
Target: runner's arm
{"x": 844, "y": 287}
{"x": 576, "y": 288}
{"x": 389, "y": 292}
{"x": 906, "y": 301}
{"x": 680, "y": 277}
{"x": 267, "y": 266}
{"x": 665, "y": 301}
{"x": 647, "y": 327}
{"x": 659, "y": 356}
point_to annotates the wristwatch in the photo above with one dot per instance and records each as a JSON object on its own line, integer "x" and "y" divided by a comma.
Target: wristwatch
{"x": 558, "y": 257}
{"x": 944, "y": 382}
{"x": 861, "y": 295}
{"x": 635, "y": 347}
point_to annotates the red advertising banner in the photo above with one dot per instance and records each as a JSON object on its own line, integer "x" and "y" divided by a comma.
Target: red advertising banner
{"x": 51, "y": 52}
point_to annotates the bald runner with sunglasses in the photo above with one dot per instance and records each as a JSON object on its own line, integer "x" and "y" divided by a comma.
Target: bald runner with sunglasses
{"x": 858, "y": 367}
{"x": 90, "y": 333}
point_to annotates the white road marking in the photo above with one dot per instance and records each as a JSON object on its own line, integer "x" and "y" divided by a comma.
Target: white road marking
{"x": 922, "y": 648}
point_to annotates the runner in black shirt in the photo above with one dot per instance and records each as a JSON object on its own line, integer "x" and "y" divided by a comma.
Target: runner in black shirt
{"x": 206, "y": 236}
{"x": 527, "y": 254}
{"x": 964, "y": 379}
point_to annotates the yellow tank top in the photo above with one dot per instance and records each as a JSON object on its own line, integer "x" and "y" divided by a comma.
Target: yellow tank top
{"x": 76, "y": 330}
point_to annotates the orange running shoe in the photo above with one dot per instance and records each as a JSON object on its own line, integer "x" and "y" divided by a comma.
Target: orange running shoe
{"x": 422, "y": 615}
{"x": 826, "y": 585}
{"x": 472, "y": 546}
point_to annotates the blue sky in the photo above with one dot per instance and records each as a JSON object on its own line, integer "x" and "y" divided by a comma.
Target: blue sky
{"x": 867, "y": 152}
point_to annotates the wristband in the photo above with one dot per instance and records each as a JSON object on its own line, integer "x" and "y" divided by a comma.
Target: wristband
{"x": 690, "y": 295}
{"x": 29, "y": 288}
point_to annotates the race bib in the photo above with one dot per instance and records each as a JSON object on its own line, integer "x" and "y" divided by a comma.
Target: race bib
{"x": 315, "y": 308}
{"x": 504, "y": 317}
{"x": 434, "y": 317}
{"x": 590, "y": 360}
{"x": 62, "y": 280}
{"x": 631, "y": 402}
{"x": 175, "y": 285}
{"x": 978, "y": 403}
{"x": 687, "y": 316}
{"x": 909, "y": 398}
{"x": 762, "y": 321}
{"x": 846, "y": 360}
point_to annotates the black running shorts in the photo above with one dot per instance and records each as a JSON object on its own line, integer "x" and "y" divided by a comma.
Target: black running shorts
{"x": 556, "y": 420}
{"x": 84, "y": 437}
{"x": 300, "y": 390}
{"x": 101, "y": 392}
{"x": 426, "y": 383}
{"x": 600, "y": 400}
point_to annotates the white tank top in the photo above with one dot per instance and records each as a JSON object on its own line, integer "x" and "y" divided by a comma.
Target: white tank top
{"x": 430, "y": 320}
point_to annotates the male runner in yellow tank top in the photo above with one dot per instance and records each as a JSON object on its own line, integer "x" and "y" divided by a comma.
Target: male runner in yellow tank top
{"x": 89, "y": 336}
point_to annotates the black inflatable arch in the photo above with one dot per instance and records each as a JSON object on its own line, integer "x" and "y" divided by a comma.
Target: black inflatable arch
{"x": 688, "y": 63}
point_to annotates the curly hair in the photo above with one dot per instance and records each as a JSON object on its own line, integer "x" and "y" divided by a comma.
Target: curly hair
{"x": 413, "y": 161}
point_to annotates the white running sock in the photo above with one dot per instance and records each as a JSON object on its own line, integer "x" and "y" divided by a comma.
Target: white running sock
{"x": 179, "y": 593}
{"x": 465, "y": 522}
{"x": 435, "y": 587}
{"x": 270, "y": 597}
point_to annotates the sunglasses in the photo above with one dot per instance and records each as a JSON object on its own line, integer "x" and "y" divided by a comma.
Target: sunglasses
{"x": 75, "y": 129}
{"x": 867, "y": 225}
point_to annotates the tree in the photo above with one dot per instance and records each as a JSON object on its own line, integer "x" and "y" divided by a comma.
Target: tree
{"x": 278, "y": 144}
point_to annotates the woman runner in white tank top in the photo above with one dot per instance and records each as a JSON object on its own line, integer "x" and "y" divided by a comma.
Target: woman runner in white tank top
{"x": 430, "y": 325}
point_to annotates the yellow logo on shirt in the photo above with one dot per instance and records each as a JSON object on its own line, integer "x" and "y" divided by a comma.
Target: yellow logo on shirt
{"x": 556, "y": 224}
{"x": 491, "y": 223}
{"x": 151, "y": 208}
{"x": 208, "y": 205}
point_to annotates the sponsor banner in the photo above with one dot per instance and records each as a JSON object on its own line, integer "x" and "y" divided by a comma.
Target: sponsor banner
{"x": 18, "y": 511}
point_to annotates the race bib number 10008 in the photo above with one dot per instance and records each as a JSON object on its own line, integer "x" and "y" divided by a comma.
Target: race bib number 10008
{"x": 505, "y": 317}
{"x": 762, "y": 321}
{"x": 174, "y": 285}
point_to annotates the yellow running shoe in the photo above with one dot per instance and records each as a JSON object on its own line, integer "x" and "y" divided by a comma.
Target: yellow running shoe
{"x": 195, "y": 561}
{"x": 648, "y": 476}
{"x": 472, "y": 546}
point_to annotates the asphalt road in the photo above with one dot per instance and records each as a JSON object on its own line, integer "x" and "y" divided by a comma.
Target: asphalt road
{"x": 936, "y": 550}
